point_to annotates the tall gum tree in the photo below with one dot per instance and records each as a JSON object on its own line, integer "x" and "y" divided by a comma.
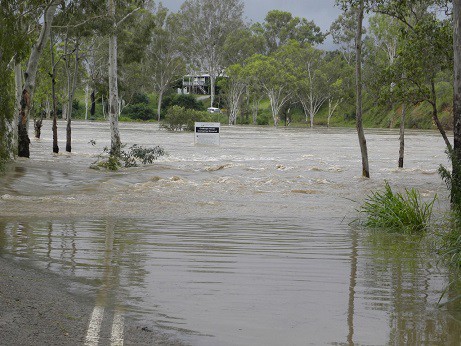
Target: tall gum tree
{"x": 206, "y": 25}
{"x": 358, "y": 8}
{"x": 30, "y": 76}
{"x": 274, "y": 78}
{"x": 115, "y": 142}
{"x": 165, "y": 59}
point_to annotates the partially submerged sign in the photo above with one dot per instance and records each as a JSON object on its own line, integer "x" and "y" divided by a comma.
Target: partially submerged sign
{"x": 207, "y": 133}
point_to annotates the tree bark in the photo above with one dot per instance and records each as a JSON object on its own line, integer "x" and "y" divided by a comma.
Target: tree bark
{"x": 212, "y": 89}
{"x": 29, "y": 80}
{"x": 358, "y": 73}
{"x": 115, "y": 146}
{"x": 72, "y": 86}
{"x": 93, "y": 103}
{"x": 456, "y": 157}
{"x": 402, "y": 136}
{"x": 18, "y": 78}
{"x": 53, "y": 96}
{"x": 159, "y": 104}
{"x": 435, "y": 116}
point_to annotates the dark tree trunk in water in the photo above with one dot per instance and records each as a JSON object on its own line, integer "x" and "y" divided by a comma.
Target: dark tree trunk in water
{"x": 53, "y": 96}
{"x": 358, "y": 75}
{"x": 23, "y": 136}
{"x": 93, "y": 104}
{"x": 402, "y": 137}
{"x": 435, "y": 116}
{"x": 38, "y": 127}
{"x": 456, "y": 158}
{"x": 68, "y": 136}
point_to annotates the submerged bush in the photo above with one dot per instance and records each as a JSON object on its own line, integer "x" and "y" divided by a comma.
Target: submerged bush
{"x": 179, "y": 118}
{"x": 135, "y": 156}
{"x": 397, "y": 212}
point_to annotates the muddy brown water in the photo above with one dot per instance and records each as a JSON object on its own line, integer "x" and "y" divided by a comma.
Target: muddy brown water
{"x": 247, "y": 243}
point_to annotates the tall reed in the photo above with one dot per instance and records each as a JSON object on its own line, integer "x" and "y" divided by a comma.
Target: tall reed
{"x": 397, "y": 212}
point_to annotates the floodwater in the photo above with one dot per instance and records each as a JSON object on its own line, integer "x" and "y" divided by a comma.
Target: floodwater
{"x": 247, "y": 243}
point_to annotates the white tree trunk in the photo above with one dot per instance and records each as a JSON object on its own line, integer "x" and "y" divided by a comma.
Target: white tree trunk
{"x": 87, "y": 96}
{"x": 212, "y": 89}
{"x": 115, "y": 143}
{"x": 159, "y": 104}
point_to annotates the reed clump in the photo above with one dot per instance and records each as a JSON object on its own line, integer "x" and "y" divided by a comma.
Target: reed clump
{"x": 397, "y": 212}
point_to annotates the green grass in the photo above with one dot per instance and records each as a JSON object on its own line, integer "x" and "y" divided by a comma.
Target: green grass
{"x": 396, "y": 212}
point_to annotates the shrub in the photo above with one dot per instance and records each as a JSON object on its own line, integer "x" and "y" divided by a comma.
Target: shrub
{"x": 178, "y": 118}
{"x": 182, "y": 100}
{"x": 138, "y": 111}
{"x": 397, "y": 212}
{"x": 140, "y": 98}
{"x": 135, "y": 156}
{"x": 262, "y": 119}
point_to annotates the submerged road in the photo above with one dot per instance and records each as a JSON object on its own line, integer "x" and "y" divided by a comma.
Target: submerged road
{"x": 36, "y": 308}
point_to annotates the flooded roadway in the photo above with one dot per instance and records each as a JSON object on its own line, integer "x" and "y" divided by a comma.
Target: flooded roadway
{"x": 247, "y": 243}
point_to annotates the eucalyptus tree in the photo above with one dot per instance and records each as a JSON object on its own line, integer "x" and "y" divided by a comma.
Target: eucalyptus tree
{"x": 165, "y": 59}
{"x": 425, "y": 35}
{"x": 206, "y": 26}
{"x": 279, "y": 27}
{"x": 274, "y": 75}
{"x": 235, "y": 85}
{"x": 118, "y": 13}
{"x": 48, "y": 11}
{"x": 312, "y": 82}
{"x": 343, "y": 31}
{"x": 74, "y": 22}
{"x": 243, "y": 43}
{"x": 340, "y": 82}
{"x": 9, "y": 22}
{"x": 383, "y": 43}
{"x": 357, "y": 7}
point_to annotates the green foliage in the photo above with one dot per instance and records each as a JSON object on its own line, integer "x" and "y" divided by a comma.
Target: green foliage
{"x": 179, "y": 118}
{"x": 182, "y": 100}
{"x": 451, "y": 241}
{"x": 140, "y": 155}
{"x": 140, "y": 98}
{"x": 397, "y": 212}
{"x": 453, "y": 181}
{"x": 135, "y": 156}
{"x": 139, "y": 111}
{"x": 280, "y": 27}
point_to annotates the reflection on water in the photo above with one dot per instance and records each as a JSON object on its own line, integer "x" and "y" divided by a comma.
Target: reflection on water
{"x": 229, "y": 281}
{"x": 247, "y": 243}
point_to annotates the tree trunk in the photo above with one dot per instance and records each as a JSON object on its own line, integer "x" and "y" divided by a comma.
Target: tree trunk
{"x": 86, "y": 101}
{"x": 93, "y": 103}
{"x": 212, "y": 88}
{"x": 402, "y": 136}
{"x": 73, "y": 86}
{"x": 159, "y": 105}
{"x": 19, "y": 87}
{"x": 358, "y": 73}
{"x": 53, "y": 96}
{"x": 435, "y": 116}
{"x": 115, "y": 145}
{"x": 38, "y": 126}
{"x": 29, "y": 80}
{"x": 456, "y": 157}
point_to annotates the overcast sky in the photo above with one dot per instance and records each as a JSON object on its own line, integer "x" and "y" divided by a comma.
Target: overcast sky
{"x": 322, "y": 12}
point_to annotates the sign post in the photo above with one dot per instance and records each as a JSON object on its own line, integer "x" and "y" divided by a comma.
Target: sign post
{"x": 207, "y": 133}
